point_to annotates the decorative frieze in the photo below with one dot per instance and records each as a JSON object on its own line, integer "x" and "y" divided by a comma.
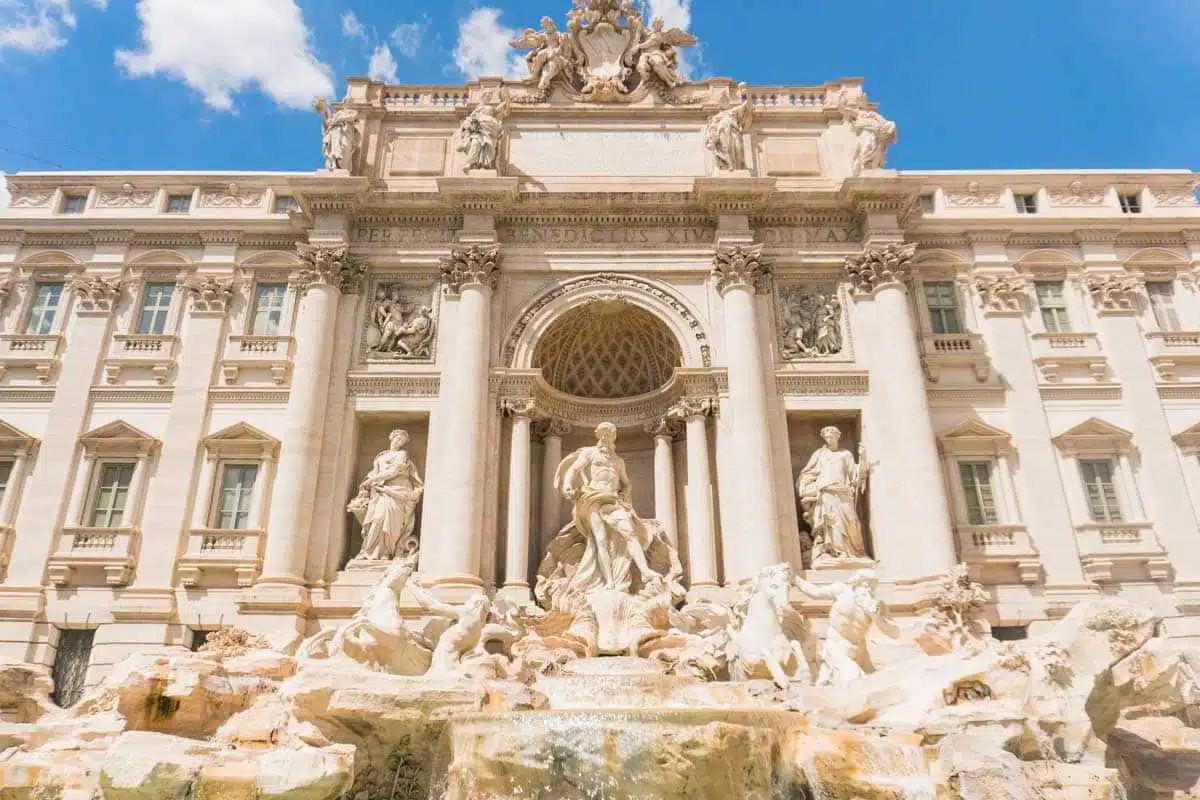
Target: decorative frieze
{"x": 1002, "y": 294}
{"x": 230, "y": 197}
{"x": 973, "y": 197}
{"x": 809, "y": 321}
{"x": 210, "y": 294}
{"x": 31, "y": 199}
{"x": 1173, "y": 198}
{"x": 876, "y": 267}
{"x": 330, "y": 265}
{"x": 126, "y": 197}
{"x": 1114, "y": 293}
{"x": 466, "y": 266}
{"x": 1076, "y": 194}
{"x": 95, "y": 293}
{"x": 741, "y": 266}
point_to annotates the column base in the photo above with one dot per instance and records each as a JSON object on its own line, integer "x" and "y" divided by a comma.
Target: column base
{"x": 455, "y": 588}
{"x": 518, "y": 593}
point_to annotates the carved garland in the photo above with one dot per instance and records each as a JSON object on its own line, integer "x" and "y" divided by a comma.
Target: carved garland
{"x": 606, "y": 279}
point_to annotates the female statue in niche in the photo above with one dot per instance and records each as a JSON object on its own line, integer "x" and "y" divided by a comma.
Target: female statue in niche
{"x": 386, "y": 504}
{"x": 829, "y": 487}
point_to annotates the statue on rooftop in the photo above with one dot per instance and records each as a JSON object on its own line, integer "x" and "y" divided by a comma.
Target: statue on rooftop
{"x": 724, "y": 133}
{"x": 480, "y": 133}
{"x": 339, "y": 136}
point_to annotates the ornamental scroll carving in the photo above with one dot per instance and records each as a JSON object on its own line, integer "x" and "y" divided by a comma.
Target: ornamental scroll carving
{"x": 474, "y": 265}
{"x": 809, "y": 321}
{"x": 209, "y": 294}
{"x": 94, "y": 292}
{"x": 876, "y": 267}
{"x": 401, "y": 324}
{"x": 330, "y": 265}
{"x": 1116, "y": 292}
{"x": 1001, "y": 293}
{"x": 741, "y": 266}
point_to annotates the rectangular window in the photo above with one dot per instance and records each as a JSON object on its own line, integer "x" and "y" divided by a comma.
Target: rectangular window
{"x": 71, "y": 661}
{"x": 110, "y": 496}
{"x": 942, "y": 301}
{"x": 1026, "y": 203}
{"x": 46, "y": 299}
{"x": 284, "y": 203}
{"x": 268, "y": 309}
{"x": 1162, "y": 303}
{"x": 156, "y": 304}
{"x": 976, "y": 477}
{"x": 927, "y": 204}
{"x": 1097, "y": 475}
{"x": 6, "y": 468}
{"x": 179, "y": 203}
{"x": 1053, "y": 304}
{"x": 74, "y": 203}
{"x": 237, "y": 492}
{"x": 1130, "y": 204}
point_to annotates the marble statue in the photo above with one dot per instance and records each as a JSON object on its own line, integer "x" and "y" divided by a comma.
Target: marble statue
{"x": 376, "y": 637}
{"x": 769, "y": 633}
{"x": 550, "y": 53}
{"x": 844, "y": 656}
{"x": 811, "y": 324}
{"x": 339, "y": 136}
{"x": 480, "y": 133}
{"x": 401, "y": 327}
{"x": 622, "y": 568}
{"x": 873, "y": 135}
{"x": 460, "y": 644}
{"x": 829, "y": 487}
{"x": 386, "y": 504}
{"x": 724, "y": 133}
{"x": 656, "y": 55}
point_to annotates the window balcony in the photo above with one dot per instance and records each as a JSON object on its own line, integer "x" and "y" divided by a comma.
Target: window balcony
{"x": 37, "y": 352}
{"x": 246, "y": 356}
{"x": 1174, "y": 351}
{"x": 941, "y": 350}
{"x": 154, "y": 354}
{"x": 111, "y": 550}
{"x": 1065, "y": 355}
{"x": 212, "y": 551}
{"x": 986, "y": 547}
{"x": 1108, "y": 549}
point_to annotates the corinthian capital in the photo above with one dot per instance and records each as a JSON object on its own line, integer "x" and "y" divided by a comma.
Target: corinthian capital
{"x": 1001, "y": 294}
{"x": 876, "y": 267}
{"x": 95, "y": 292}
{"x": 741, "y": 266}
{"x": 1115, "y": 292}
{"x": 210, "y": 295}
{"x": 692, "y": 407}
{"x": 329, "y": 265}
{"x": 468, "y": 266}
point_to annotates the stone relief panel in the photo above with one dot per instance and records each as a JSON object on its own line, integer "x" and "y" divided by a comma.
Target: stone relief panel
{"x": 810, "y": 321}
{"x": 401, "y": 320}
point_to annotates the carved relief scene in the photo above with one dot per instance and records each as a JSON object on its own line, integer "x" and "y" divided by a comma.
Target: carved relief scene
{"x": 810, "y": 321}
{"x": 401, "y": 322}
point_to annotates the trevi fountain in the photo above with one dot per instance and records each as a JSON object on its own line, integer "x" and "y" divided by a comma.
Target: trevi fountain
{"x": 600, "y": 435}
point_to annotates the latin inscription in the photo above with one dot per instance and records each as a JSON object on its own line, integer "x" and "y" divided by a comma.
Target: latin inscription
{"x": 585, "y": 236}
{"x": 403, "y": 236}
{"x": 806, "y": 236}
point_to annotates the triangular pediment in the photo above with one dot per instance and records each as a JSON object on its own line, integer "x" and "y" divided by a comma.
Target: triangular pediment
{"x": 1189, "y": 440}
{"x": 242, "y": 440}
{"x": 974, "y": 435}
{"x": 1094, "y": 433}
{"x": 119, "y": 430}
{"x": 241, "y": 432}
{"x": 119, "y": 438}
{"x": 14, "y": 441}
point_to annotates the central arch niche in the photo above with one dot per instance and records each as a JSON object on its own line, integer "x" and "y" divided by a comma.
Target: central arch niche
{"x": 607, "y": 349}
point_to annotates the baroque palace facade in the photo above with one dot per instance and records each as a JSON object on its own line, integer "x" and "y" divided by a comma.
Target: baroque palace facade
{"x": 197, "y": 370}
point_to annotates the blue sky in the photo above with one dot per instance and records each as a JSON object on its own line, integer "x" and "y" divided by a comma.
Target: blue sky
{"x": 224, "y": 84}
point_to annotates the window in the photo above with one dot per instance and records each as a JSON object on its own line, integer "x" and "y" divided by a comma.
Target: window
{"x": 284, "y": 203}
{"x": 46, "y": 298}
{"x": 268, "y": 309}
{"x": 1130, "y": 204}
{"x": 71, "y": 664}
{"x": 976, "y": 477}
{"x": 942, "y": 302}
{"x": 1162, "y": 303}
{"x": 74, "y": 203}
{"x": 927, "y": 204}
{"x": 179, "y": 203}
{"x": 237, "y": 492}
{"x": 156, "y": 303}
{"x": 110, "y": 496}
{"x": 6, "y": 470}
{"x": 1053, "y": 305}
{"x": 1101, "y": 493}
{"x": 1026, "y": 203}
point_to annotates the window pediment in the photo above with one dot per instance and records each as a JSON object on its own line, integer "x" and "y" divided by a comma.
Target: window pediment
{"x": 118, "y": 438}
{"x": 974, "y": 436}
{"x": 1189, "y": 440}
{"x": 14, "y": 442}
{"x": 1094, "y": 436}
{"x": 241, "y": 440}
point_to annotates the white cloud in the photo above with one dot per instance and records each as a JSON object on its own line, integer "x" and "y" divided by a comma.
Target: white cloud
{"x": 221, "y": 47}
{"x": 382, "y": 66}
{"x": 408, "y": 36}
{"x": 5, "y": 196}
{"x": 483, "y": 48}
{"x": 352, "y": 27}
{"x": 37, "y": 26}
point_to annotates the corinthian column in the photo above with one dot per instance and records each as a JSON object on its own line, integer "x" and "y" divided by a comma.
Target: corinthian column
{"x": 664, "y": 432}
{"x": 741, "y": 272}
{"x": 910, "y": 516}
{"x": 552, "y": 432}
{"x": 516, "y": 552}
{"x": 450, "y": 557}
{"x": 328, "y": 271}
{"x": 701, "y": 546}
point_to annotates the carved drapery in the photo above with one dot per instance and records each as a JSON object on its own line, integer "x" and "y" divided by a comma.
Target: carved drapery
{"x": 1114, "y": 293}
{"x": 210, "y": 295}
{"x": 1001, "y": 293}
{"x": 95, "y": 292}
{"x": 330, "y": 265}
{"x": 741, "y": 266}
{"x": 876, "y": 267}
{"x": 476, "y": 264}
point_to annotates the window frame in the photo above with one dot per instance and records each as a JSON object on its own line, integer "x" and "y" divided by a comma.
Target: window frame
{"x": 217, "y": 495}
{"x": 964, "y": 465}
{"x": 168, "y": 311}
{"x": 955, "y": 309}
{"x": 285, "y": 322}
{"x": 37, "y": 283}
{"x": 1042, "y": 308}
{"x": 1024, "y": 208}
{"x": 1130, "y": 202}
{"x": 68, "y": 197}
{"x": 1175, "y": 321}
{"x": 87, "y": 519}
{"x": 170, "y": 196}
{"x": 293, "y": 203}
{"x": 1114, "y": 508}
